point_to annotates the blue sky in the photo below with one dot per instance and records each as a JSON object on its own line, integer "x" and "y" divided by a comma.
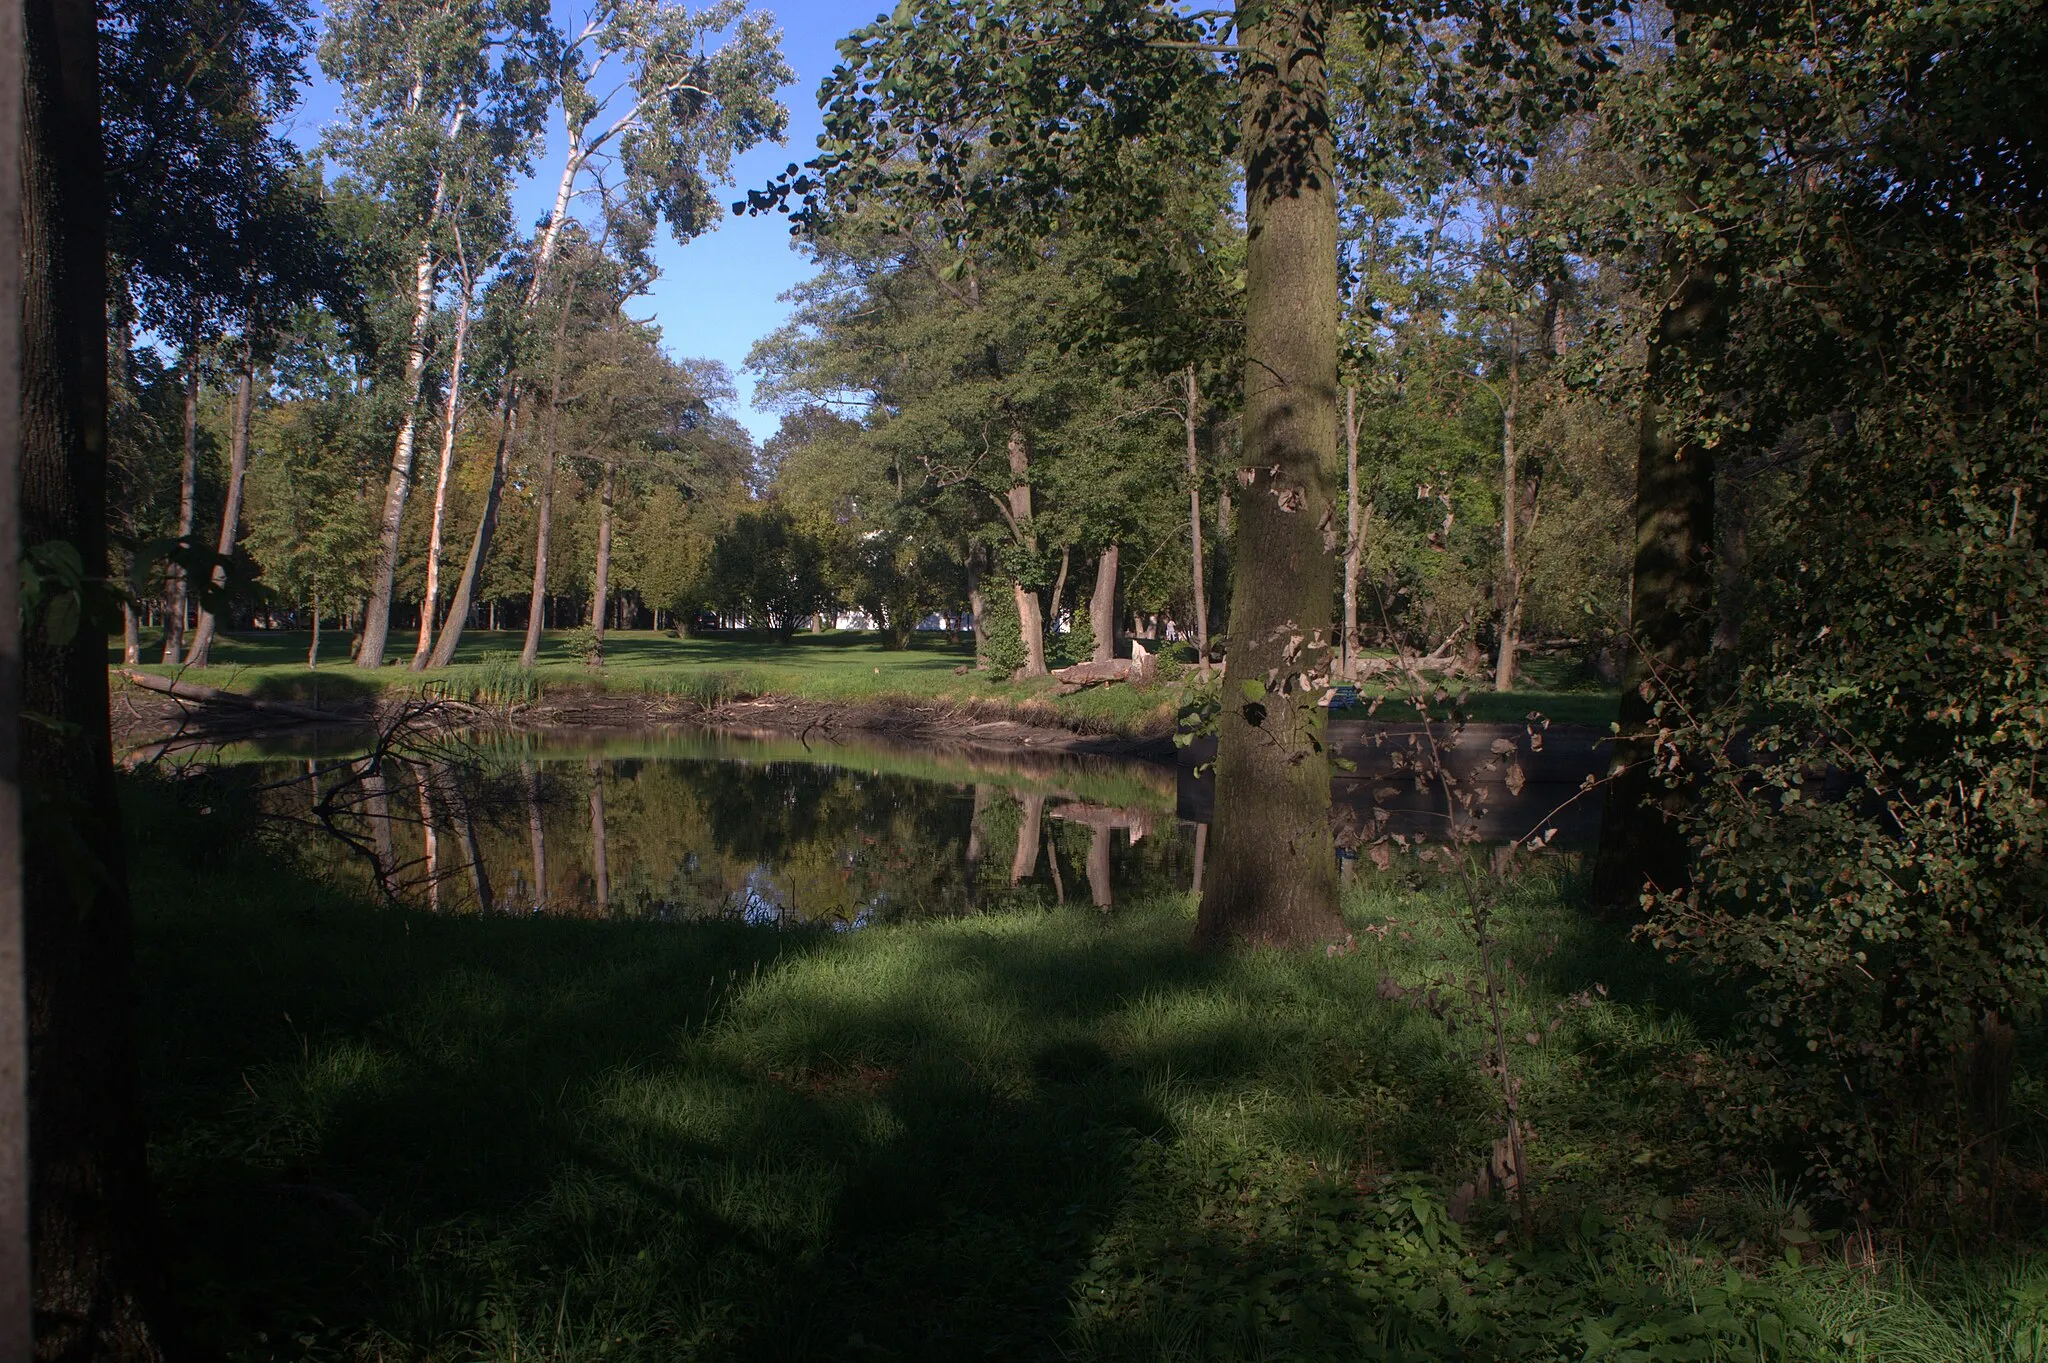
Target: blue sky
{"x": 717, "y": 295}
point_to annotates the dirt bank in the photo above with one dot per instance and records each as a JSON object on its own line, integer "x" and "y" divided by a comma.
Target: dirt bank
{"x": 147, "y": 719}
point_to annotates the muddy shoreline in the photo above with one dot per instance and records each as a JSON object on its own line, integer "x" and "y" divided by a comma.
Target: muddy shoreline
{"x": 146, "y": 723}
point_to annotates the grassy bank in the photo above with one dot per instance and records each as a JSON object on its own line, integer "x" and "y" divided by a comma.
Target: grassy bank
{"x": 840, "y": 668}
{"x": 1034, "y": 1134}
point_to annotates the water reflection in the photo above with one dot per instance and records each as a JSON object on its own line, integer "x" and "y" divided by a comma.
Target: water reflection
{"x": 690, "y": 827}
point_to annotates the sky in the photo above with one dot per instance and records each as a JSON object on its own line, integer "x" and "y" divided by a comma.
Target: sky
{"x": 717, "y": 295}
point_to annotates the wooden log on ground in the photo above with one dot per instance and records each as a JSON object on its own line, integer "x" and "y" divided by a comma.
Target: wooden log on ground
{"x": 213, "y": 695}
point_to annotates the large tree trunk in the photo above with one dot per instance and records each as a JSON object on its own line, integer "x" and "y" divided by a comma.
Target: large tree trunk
{"x": 1102, "y": 606}
{"x": 1030, "y": 615}
{"x": 14, "y": 1177}
{"x": 600, "y": 591}
{"x": 1197, "y": 562}
{"x": 1510, "y": 526}
{"x": 1354, "y": 535}
{"x": 95, "y": 1280}
{"x": 451, "y": 414}
{"x": 480, "y": 546}
{"x": 1671, "y": 607}
{"x": 1273, "y": 870}
{"x": 131, "y": 634}
{"x": 188, "y": 500}
{"x": 231, "y": 513}
{"x": 536, "y": 836}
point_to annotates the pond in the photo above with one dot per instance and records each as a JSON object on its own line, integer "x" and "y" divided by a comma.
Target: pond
{"x": 687, "y": 825}
{"x": 683, "y": 824}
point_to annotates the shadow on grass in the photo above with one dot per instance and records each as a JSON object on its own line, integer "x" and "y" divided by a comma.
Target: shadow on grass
{"x": 452, "y": 1137}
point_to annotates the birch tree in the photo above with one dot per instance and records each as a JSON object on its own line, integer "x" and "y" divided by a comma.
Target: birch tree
{"x": 657, "y": 99}
{"x": 433, "y": 93}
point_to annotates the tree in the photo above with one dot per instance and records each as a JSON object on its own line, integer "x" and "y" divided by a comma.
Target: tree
{"x": 202, "y": 194}
{"x": 956, "y": 109}
{"x": 766, "y": 565}
{"x": 669, "y": 129}
{"x": 95, "y": 1282}
{"x": 439, "y": 95}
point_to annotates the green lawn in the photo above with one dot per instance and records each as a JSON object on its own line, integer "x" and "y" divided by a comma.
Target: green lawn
{"x": 840, "y": 667}
{"x": 1033, "y": 1134}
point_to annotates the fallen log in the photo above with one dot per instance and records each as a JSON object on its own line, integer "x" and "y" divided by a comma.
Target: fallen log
{"x": 213, "y": 695}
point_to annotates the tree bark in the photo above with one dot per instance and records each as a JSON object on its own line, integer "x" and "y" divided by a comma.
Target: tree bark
{"x": 536, "y": 836}
{"x": 131, "y": 634}
{"x": 201, "y": 650}
{"x": 1671, "y": 607}
{"x": 1102, "y": 606}
{"x": 480, "y": 546}
{"x": 313, "y": 648}
{"x": 450, "y": 421}
{"x": 398, "y": 486}
{"x": 14, "y": 1120}
{"x": 544, "y": 518}
{"x": 600, "y": 860}
{"x": 1354, "y": 541}
{"x": 188, "y": 499}
{"x": 1510, "y": 526}
{"x": 1030, "y": 619}
{"x": 95, "y": 1280}
{"x": 1099, "y": 890}
{"x": 601, "y": 586}
{"x": 1198, "y": 563}
{"x": 1273, "y": 869}
{"x": 1031, "y": 810}
{"x": 977, "y": 603}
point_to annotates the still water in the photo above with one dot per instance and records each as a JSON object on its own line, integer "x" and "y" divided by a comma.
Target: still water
{"x": 685, "y": 826}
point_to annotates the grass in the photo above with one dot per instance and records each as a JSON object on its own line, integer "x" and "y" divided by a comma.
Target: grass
{"x": 1026, "y": 1135}
{"x": 847, "y": 668}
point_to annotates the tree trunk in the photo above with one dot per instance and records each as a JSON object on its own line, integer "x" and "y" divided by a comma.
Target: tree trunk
{"x": 95, "y": 1280}
{"x": 188, "y": 499}
{"x": 977, "y": 603}
{"x": 1098, "y": 868}
{"x": 600, "y": 861}
{"x": 1510, "y": 526}
{"x": 14, "y": 1047}
{"x": 536, "y": 836}
{"x": 601, "y": 586}
{"x": 231, "y": 513}
{"x": 431, "y": 843}
{"x": 313, "y": 649}
{"x": 1671, "y": 617}
{"x": 1354, "y": 537}
{"x": 131, "y": 634}
{"x": 450, "y": 420}
{"x": 398, "y": 484}
{"x": 1197, "y": 562}
{"x": 1025, "y": 862}
{"x": 480, "y": 546}
{"x": 544, "y": 518}
{"x": 1030, "y": 620}
{"x": 543, "y": 529}
{"x": 1273, "y": 871}
{"x": 1102, "y": 606}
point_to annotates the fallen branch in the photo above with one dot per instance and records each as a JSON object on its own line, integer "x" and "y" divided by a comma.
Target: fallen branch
{"x": 213, "y": 695}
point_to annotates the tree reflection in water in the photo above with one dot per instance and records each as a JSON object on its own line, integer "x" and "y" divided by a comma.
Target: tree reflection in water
{"x": 766, "y": 832}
